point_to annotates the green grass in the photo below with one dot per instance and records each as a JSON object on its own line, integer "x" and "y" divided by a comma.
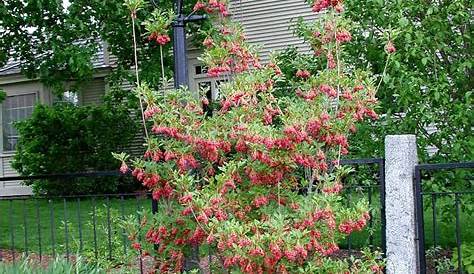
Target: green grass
{"x": 445, "y": 222}
{"x": 17, "y": 215}
{"x": 36, "y": 224}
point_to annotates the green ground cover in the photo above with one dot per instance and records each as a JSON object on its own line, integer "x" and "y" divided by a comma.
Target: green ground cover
{"x": 34, "y": 224}
{"x": 45, "y": 224}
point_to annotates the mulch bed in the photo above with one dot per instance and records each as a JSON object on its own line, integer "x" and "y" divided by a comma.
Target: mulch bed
{"x": 441, "y": 255}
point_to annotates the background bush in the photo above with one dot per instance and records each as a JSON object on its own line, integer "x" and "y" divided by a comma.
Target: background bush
{"x": 65, "y": 138}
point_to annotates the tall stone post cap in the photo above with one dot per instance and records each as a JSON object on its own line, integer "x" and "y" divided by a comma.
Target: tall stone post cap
{"x": 401, "y": 138}
{"x": 399, "y": 148}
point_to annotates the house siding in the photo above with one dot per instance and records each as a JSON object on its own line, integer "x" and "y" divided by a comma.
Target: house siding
{"x": 266, "y": 26}
{"x": 267, "y": 23}
{"x": 92, "y": 93}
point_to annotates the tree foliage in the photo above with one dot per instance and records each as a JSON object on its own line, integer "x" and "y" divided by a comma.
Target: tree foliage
{"x": 429, "y": 85}
{"x": 57, "y": 43}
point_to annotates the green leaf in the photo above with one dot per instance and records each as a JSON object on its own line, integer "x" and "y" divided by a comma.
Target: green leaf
{"x": 424, "y": 60}
{"x": 403, "y": 22}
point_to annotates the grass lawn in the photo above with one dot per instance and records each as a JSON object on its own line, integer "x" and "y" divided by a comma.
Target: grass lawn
{"x": 45, "y": 225}
{"x": 445, "y": 223}
{"x": 41, "y": 224}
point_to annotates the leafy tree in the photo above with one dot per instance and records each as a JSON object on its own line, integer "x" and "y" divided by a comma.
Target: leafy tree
{"x": 428, "y": 84}
{"x": 57, "y": 43}
{"x": 430, "y": 80}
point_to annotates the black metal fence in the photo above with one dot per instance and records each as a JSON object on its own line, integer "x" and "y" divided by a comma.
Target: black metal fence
{"x": 368, "y": 182}
{"x": 43, "y": 228}
{"x": 444, "y": 205}
{"x": 89, "y": 226}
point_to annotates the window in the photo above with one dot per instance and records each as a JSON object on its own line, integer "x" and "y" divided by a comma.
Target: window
{"x": 206, "y": 87}
{"x": 15, "y": 108}
{"x": 211, "y": 87}
{"x": 67, "y": 97}
{"x": 71, "y": 97}
{"x": 218, "y": 87}
{"x": 199, "y": 70}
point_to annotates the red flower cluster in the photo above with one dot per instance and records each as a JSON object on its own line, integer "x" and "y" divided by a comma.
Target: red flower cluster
{"x": 154, "y": 155}
{"x": 136, "y": 246}
{"x": 347, "y": 227}
{"x": 260, "y": 201}
{"x": 304, "y": 74}
{"x": 187, "y": 162}
{"x": 212, "y": 6}
{"x": 241, "y": 146}
{"x": 305, "y": 160}
{"x": 208, "y": 42}
{"x": 308, "y": 96}
{"x": 161, "y": 39}
{"x": 343, "y": 36}
{"x": 240, "y": 57}
{"x": 320, "y": 5}
{"x": 335, "y": 189}
{"x": 268, "y": 115}
{"x": 328, "y": 90}
{"x": 169, "y": 131}
{"x": 390, "y": 48}
{"x": 265, "y": 178}
{"x": 124, "y": 168}
{"x": 150, "y": 111}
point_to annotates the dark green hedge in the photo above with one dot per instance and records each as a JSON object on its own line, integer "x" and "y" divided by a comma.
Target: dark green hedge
{"x": 64, "y": 138}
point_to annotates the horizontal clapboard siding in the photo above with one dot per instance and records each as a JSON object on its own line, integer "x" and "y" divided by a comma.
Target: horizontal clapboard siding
{"x": 11, "y": 187}
{"x": 267, "y": 23}
{"x": 137, "y": 146}
{"x": 7, "y": 169}
{"x": 92, "y": 93}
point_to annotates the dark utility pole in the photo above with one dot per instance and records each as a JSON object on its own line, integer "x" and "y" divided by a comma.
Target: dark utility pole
{"x": 179, "y": 44}
{"x": 181, "y": 79}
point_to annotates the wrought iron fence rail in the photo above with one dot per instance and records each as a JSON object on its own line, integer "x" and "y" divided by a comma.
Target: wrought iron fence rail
{"x": 362, "y": 161}
{"x": 26, "y": 197}
{"x": 447, "y": 193}
{"x": 420, "y": 218}
{"x": 112, "y": 173}
{"x": 445, "y": 166}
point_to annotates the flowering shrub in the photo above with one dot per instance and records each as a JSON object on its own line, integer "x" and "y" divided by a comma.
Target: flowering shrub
{"x": 226, "y": 49}
{"x": 158, "y": 26}
{"x": 259, "y": 179}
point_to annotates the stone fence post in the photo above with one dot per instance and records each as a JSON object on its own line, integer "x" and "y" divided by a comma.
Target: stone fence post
{"x": 400, "y": 160}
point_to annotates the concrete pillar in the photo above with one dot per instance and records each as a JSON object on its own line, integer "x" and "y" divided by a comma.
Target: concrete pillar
{"x": 400, "y": 160}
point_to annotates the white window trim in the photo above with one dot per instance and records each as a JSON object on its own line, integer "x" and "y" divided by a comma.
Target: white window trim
{"x": 12, "y": 152}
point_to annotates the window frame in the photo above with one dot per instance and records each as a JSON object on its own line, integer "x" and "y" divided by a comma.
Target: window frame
{"x": 197, "y": 79}
{"x": 2, "y": 105}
